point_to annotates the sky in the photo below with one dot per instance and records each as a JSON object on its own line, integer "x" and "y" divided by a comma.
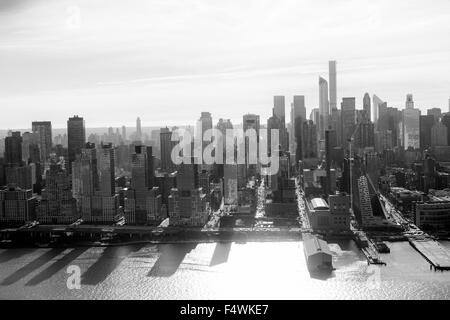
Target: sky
{"x": 166, "y": 61}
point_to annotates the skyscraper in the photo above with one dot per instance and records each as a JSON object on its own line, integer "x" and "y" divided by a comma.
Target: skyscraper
{"x": 330, "y": 143}
{"x": 298, "y": 113}
{"x": 21, "y": 176}
{"x": 426, "y": 123}
{"x": 367, "y": 107}
{"x": 446, "y": 122}
{"x": 187, "y": 202}
{"x": 106, "y": 167}
{"x": 279, "y": 111}
{"x": 332, "y": 79}
{"x": 409, "y": 101}
{"x": 223, "y": 125}
{"x": 439, "y": 133}
{"x": 365, "y": 135}
{"x": 436, "y": 113}
{"x": 391, "y": 121}
{"x": 250, "y": 121}
{"x": 84, "y": 173}
{"x": 76, "y": 136}
{"x": 142, "y": 203}
{"x": 138, "y": 129}
{"x": 30, "y": 148}
{"x": 411, "y": 128}
{"x": 206, "y": 123}
{"x": 167, "y": 145}
{"x": 230, "y": 184}
{"x": 279, "y": 108}
{"x": 273, "y": 123}
{"x": 13, "y": 149}
{"x": 298, "y": 137}
{"x": 124, "y": 133}
{"x": 298, "y": 108}
{"x": 44, "y": 131}
{"x": 309, "y": 138}
{"x": 93, "y": 184}
{"x": 376, "y": 102}
{"x": 142, "y": 171}
{"x": 335, "y": 124}
{"x": 324, "y": 108}
{"x": 348, "y": 118}
{"x": 57, "y": 204}
{"x": 314, "y": 116}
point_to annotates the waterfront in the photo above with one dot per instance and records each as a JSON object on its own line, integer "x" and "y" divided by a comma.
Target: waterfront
{"x": 216, "y": 271}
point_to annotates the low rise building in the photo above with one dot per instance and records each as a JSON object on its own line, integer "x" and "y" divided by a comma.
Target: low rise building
{"x": 332, "y": 215}
{"x": 434, "y": 212}
{"x": 317, "y": 253}
{"x": 404, "y": 199}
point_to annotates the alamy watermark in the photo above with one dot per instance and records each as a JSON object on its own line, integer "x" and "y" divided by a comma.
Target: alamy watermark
{"x": 233, "y": 147}
{"x": 74, "y": 280}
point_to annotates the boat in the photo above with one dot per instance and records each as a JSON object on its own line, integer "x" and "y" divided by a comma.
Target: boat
{"x": 382, "y": 247}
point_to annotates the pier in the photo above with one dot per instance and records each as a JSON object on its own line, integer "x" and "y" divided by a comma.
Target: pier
{"x": 433, "y": 252}
{"x": 372, "y": 256}
{"x": 368, "y": 248}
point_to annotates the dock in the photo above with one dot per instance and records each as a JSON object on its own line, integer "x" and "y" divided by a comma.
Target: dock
{"x": 368, "y": 248}
{"x": 372, "y": 256}
{"x": 433, "y": 252}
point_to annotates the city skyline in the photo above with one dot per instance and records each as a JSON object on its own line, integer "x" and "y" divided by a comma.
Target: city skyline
{"x": 85, "y": 58}
{"x": 222, "y": 150}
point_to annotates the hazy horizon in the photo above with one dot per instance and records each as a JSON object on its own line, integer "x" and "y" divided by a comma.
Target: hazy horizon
{"x": 166, "y": 61}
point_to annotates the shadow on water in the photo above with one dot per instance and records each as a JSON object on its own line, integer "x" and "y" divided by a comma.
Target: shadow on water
{"x": 33, "y": 265}
{"x": 11, "y": 254}
{"x": 170, "y": 259}
{"x": 322, "y": 276}
{"x": 57, "y": 266}
{"x": 221, "y": 253}
{"x": 107, "y": 263}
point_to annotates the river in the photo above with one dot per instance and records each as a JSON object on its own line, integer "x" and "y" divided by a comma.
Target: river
{"x": 216, "y": 271}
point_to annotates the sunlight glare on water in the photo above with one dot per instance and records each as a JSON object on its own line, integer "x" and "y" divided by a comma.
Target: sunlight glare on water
{"x": 216, "y": 271}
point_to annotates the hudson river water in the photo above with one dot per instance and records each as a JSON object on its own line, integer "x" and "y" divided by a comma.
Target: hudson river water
{"x": 216, "y": 271}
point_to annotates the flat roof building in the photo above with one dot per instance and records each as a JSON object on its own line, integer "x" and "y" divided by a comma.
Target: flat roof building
{"x": 317, "y": 253}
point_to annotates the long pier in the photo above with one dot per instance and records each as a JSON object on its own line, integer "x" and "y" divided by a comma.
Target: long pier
{"x": 433, "y": 252}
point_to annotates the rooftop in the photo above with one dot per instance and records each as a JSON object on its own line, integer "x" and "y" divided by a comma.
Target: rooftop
{"x": 319, "y": 204}
{"x": 314, "y": 245}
